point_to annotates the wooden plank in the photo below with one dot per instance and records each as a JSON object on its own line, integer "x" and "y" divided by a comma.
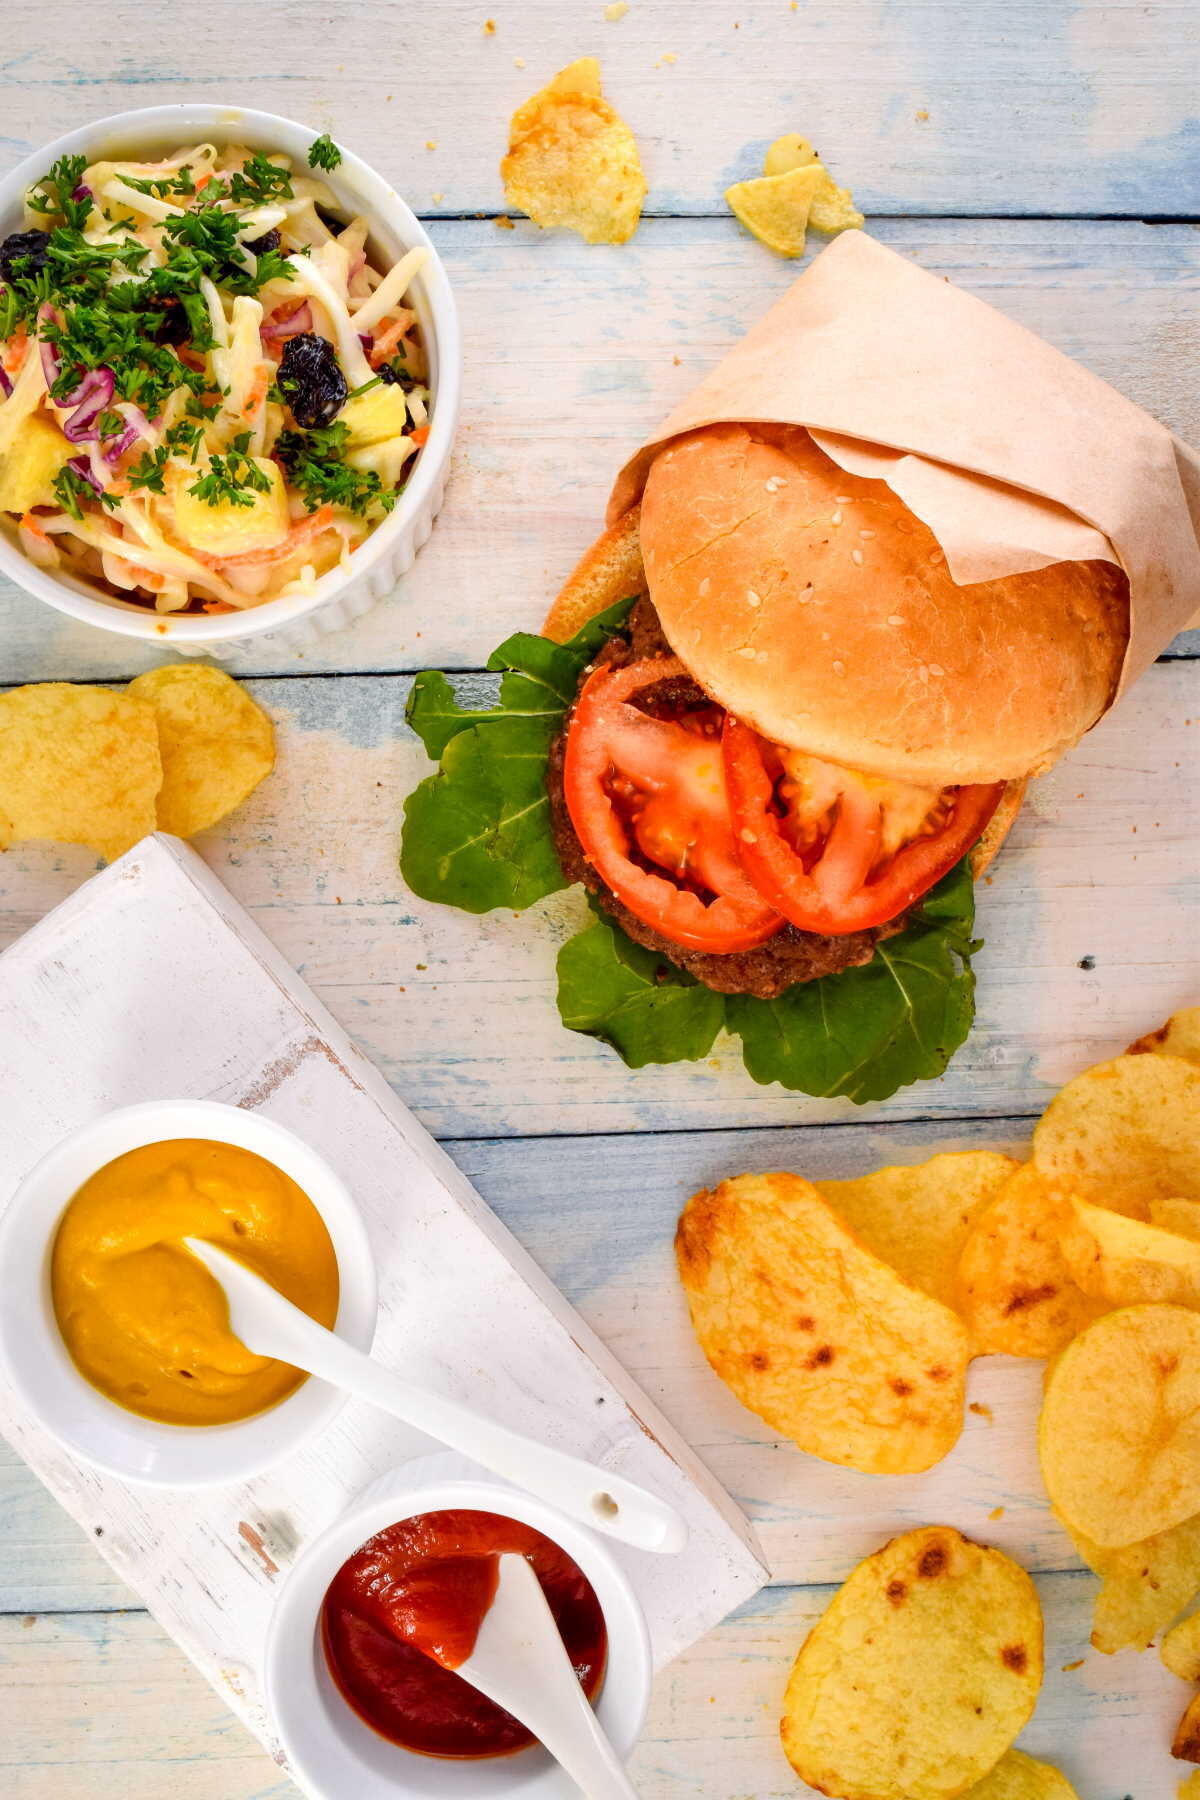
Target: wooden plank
{"x": 103, "y": 1705}
{"x": 440, "y": 1000}
{"x": 154, "y": 940}
{"x": 1009, "y": 108}
{"x": 566, "y": 371}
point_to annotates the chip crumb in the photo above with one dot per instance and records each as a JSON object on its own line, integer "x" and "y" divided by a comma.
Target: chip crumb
{"x": 504, "y": 223}
{"x": 431, "y": 143}
{"x": 489, "y": 28}
{"x": 437, "y": 198}
{"x": 616, "y": 10}
{"x": 677, "y": 360}
{"x": 1069, "y": 1668}
{"x": 922, "y": 115}
{"x": 978, "y": 1406}
{"x": 668, "y": 56}
{"x": 518, "y": 62}
{"x": 997, "y": 1512}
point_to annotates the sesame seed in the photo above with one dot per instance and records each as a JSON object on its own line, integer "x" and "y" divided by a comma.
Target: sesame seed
{"x": 753, "y": 599}
{"x": 747, "y": 652}
{"x": 923, "y": 673}
{"x": 704, "y": 586}
{"x": 806, "y": 596}
{"x": 843, "y": 499}
{"x": 866, "y": 534}
{"x": 895, "y": 619}
{"x": 856, "y": 556}
{"x": 936, "y": 669}
{"x": 935, "y": 556}
{"x": 839, "y": 668}
{"x": 836, "y": 519}
{"x": 749, "y": 837}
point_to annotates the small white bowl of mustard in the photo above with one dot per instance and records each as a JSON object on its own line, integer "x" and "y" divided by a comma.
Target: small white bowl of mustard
{"x": 117, "y": 1339}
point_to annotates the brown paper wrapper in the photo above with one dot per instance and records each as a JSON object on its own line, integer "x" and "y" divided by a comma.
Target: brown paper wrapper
{"x": 1012, "y": 454}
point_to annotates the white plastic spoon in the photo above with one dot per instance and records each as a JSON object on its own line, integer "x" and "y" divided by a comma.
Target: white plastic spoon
{"x": 521, "y": 1663}
{"x": 269, "y": 1325}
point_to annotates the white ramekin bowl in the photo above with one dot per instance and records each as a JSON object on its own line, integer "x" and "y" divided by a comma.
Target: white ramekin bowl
{"x": 332, "y": 1753}
{"x": 380, "y": 563}
{"x": 36, "y": 1360}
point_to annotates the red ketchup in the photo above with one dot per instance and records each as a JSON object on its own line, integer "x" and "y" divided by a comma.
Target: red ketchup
{"x": 405, "y": 1610}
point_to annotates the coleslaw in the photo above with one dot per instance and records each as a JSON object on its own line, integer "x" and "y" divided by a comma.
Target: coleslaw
{"x": 210, "y": 391}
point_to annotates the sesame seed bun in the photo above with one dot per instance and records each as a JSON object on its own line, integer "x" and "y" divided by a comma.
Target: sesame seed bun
{"x": 816, "y": 607}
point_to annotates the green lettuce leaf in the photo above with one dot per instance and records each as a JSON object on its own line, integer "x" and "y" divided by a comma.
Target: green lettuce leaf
{"x": 647, "y": 1009}
{"x": 477, "y": 834}
{"x": 868, "y": 1031}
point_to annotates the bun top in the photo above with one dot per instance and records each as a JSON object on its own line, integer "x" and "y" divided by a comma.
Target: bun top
{"x": 815, "y": 606}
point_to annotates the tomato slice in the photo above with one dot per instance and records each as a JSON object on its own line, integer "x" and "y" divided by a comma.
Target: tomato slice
{"x": 647, "y": 798}
{"x": 839, "y": 879}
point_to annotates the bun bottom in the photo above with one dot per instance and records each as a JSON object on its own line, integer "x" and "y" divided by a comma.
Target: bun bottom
{"x": 611, "y": 570}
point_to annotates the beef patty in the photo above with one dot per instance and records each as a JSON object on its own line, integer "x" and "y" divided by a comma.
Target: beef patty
{"x": 791, "y": 956}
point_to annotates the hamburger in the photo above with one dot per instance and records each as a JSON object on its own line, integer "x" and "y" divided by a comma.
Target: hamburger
{"x": 805, "y": 723}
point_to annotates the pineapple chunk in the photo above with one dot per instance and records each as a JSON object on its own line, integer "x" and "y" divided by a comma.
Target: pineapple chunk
{"x": 227, "y": 529}
{"x": 381, "y": 413}
{"x": 29, "y": 466}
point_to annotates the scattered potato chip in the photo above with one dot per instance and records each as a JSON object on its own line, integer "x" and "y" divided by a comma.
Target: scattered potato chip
{"x": 1143, "y": 1586}
{"x": 1125, "y": 1133}
{"x": 1126, "y": 1263}
{"x": 1015, "y": 1289}
{"x": 1180, "y": 1216}
{"x": 1180, "y": 1036}
{"x": 78, "y": 765}
{"x": 216, "y": 744}
{"x": 1018, "y": 1777}
{"x": 832, "y": 208}
{"x": 1180, "y": 1649}
{"x": 1119, "y": 1437}
{"x": 815, "y": 1334}
{"x": 1189, "y": 1787}
{"x": 1186, "y": 1742}
{"x": 573, "y": 162}
{"x": 923, "y": 1669}
{"x": 775, "y": 207}
{"x": 917, "y": 1219}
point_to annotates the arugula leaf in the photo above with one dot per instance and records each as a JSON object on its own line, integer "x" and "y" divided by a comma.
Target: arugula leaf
{"x": 646, "y": 1008}
{"x": 477, "y": 834}
{"x": 868, "y": 1031}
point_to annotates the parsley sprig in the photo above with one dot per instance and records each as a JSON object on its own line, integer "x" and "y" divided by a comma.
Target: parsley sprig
{"x": 323, "y": 153}
{"x": 232, "y": 479}
{"x": 315, "y": 463}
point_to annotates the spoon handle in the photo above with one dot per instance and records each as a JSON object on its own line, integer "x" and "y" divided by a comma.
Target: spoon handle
{"x": 270, "y": 1325}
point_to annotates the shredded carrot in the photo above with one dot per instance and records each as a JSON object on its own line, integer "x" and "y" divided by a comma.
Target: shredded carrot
{"x": 203, "y": 182}
{"x": 421, "y": 435}
{"x": 217, "y": 606}
{"x": 387, "y": 340}
{"x": 304, "y": 528}
{"x": 18, "y": 349}
{"x": 257, "y": 394}
{"x": 33, "y": 525}
{"x": 191, "y": 359}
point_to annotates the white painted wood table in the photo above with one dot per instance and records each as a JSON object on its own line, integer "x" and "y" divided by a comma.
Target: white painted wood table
{"x": 1047, "y": 156}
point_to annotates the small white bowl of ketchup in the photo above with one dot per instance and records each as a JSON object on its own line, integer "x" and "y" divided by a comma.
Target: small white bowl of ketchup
{"x": 352, "y": 1698}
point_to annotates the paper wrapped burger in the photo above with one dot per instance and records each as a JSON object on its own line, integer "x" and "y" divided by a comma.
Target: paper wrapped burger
{"x": 893, "y": 557}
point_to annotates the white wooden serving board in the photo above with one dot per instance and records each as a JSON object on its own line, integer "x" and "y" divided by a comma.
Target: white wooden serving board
{"x": 150, "y": 982}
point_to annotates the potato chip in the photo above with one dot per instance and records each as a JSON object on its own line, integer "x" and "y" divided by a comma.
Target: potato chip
{"x": 1143, "y": 1586}
{"x": 1180, "y": 1216}
{"x": 1186, "y": 1742}
{"x": 580, "y": 77}
{"x": 1125, "y": 1133}
{"x": 573, "y": 162}
{"x": 832, "y": 207}
{"x": 917, "y": 1219}
{"x": 1189, "y": 1787}
{"x": 216, "y": 744}
{"x": 1180, "y": 1036}
{"x": 1180, "y": 1649}
{"x": 1119, "y": 1437}
{"x": 78, "y": 765}
{"x": 1126, "y": 1263}
{"x": 813, "y": 1333}
{"x": 775, "y": 207}
{"x": 921, "y": 1672}
{"x": 1018, "y": 1777}
{"x": 1015, "y": 1289}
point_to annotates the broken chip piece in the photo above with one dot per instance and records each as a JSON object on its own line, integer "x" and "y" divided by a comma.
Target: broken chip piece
{"x": 776, "y": 207}
{"x": 573, "y": 162}
{"x": 216, "y": 743}
{"x": 78, "y": 765}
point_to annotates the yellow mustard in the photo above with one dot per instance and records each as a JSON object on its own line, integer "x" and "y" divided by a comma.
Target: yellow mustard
{"x": 143, "y": 1320}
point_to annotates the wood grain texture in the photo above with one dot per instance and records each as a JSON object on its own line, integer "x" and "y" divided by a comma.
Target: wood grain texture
{"x": 1029, "y": 106}
{"x": 712, "y": 1733}
{"x": 459, "y": 1011}
{"x": 570, "y": 362}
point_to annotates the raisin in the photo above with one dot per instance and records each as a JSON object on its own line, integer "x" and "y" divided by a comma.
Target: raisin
{"x": 24, "y": 254}
{"x": 311, "y": 380}
{"x": 270, "y": 240}
{"x": 173, "y": 327}
{"x": 330, "y": 220}
{"x": 394, "y": 374}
